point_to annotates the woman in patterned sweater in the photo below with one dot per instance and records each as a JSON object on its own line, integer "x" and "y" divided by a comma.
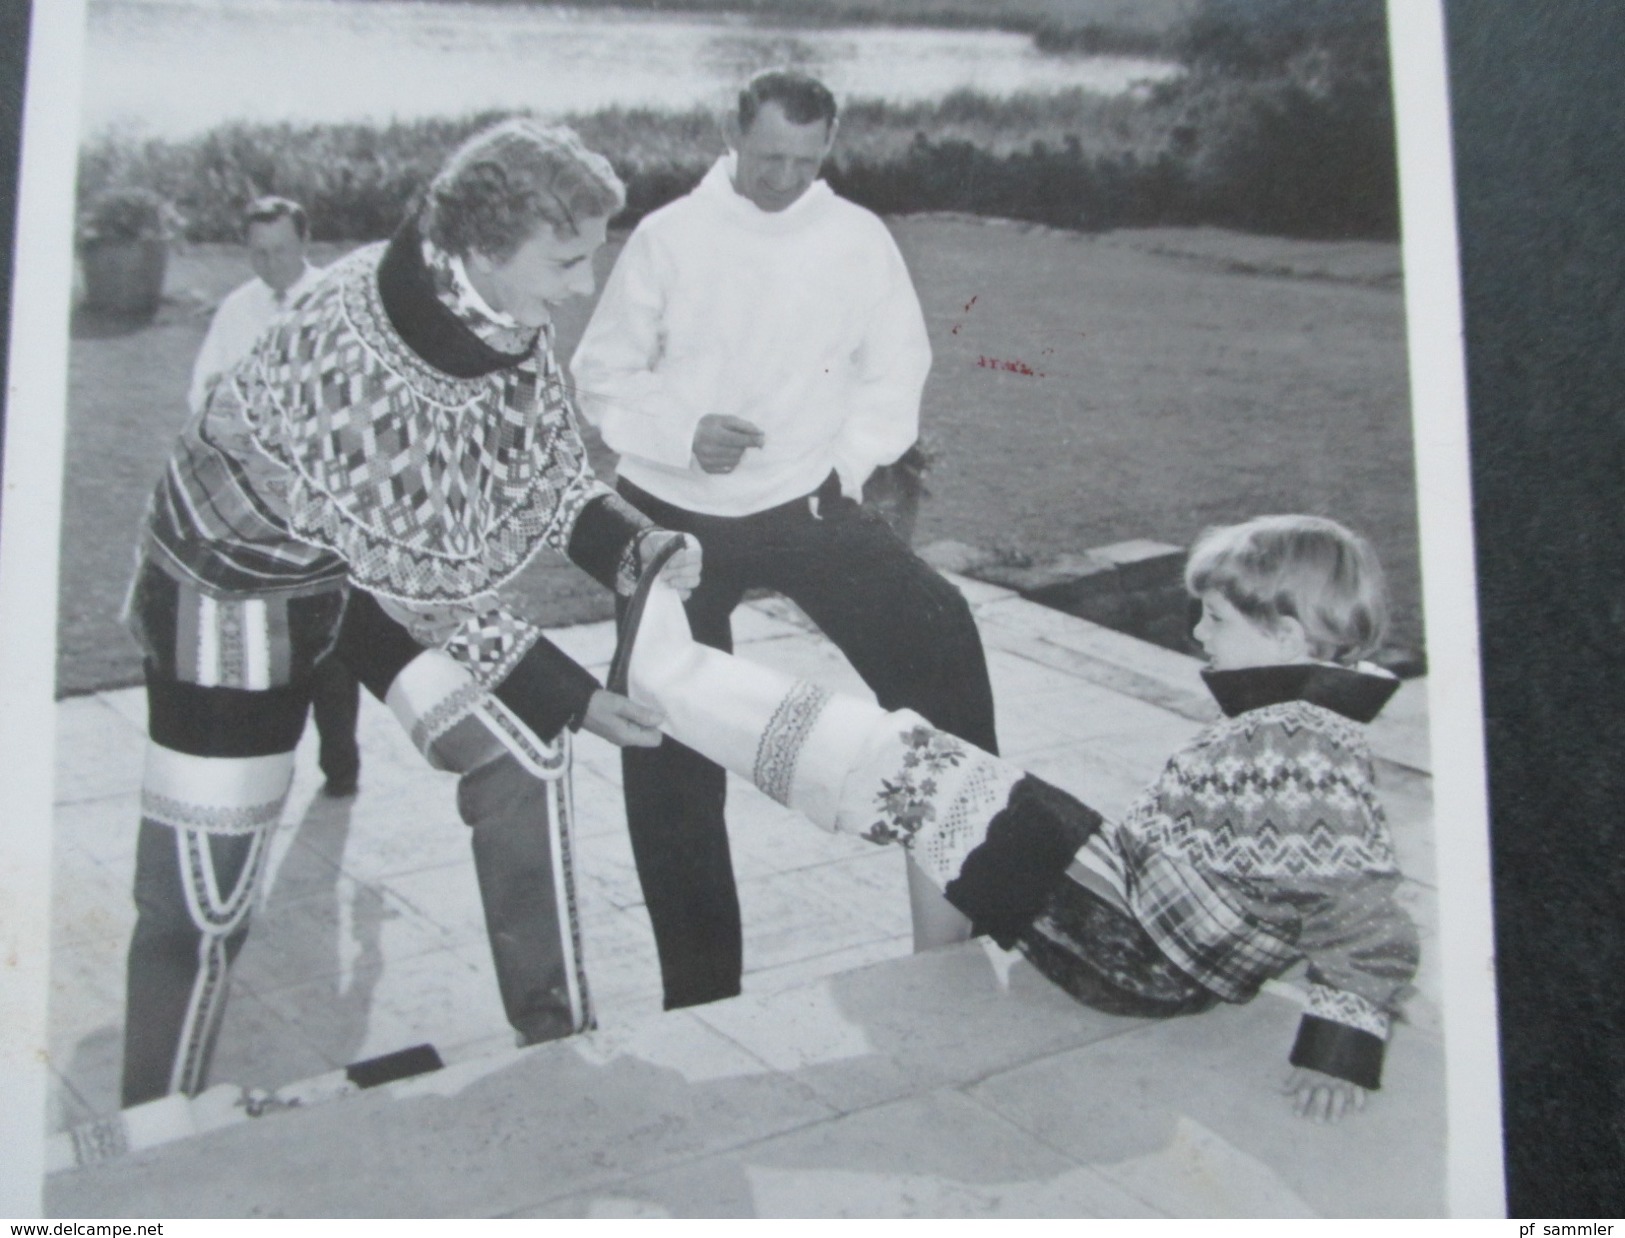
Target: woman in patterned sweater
{"x": 394, "y": 451}
{"x": 1261, "y": 844}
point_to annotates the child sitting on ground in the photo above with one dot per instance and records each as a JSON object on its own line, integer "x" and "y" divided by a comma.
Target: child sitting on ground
{"x": 1262, "y": 842}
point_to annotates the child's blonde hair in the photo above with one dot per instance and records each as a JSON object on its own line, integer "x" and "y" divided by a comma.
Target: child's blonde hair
{"x": 1304, "y": 567}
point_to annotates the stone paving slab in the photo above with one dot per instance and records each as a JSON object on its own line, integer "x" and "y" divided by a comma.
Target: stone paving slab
{"x": 887, "y": 1032}
{"x": 481, "y": 1139}
{"x": 883, "y": 1162}
{"x": 90, "y": 902}
{"x": 262, "y": 1040}
{"x": 925, "y": 1086}
{"x": 107, "y": 755}
{"x": 839, "y": 905}
{"x": 1135, "y": 1108}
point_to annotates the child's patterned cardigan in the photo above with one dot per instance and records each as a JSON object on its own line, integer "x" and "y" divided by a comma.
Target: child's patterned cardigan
{"x": 1263, "y": 842}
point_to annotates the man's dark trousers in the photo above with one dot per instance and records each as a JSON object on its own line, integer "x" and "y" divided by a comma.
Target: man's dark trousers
{"x": 903, "y": 627}
{"x": 335, "y": 704}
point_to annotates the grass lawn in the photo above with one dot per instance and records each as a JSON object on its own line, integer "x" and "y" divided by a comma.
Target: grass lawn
{"x": 1177, "y": 379}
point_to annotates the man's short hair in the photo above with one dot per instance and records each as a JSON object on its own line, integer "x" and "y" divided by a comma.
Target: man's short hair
{"x": 269, "y": 209}
{"x": 503, "y": 183}
{"x": 1304, "y": 567}
{"x": 802, "y": 97}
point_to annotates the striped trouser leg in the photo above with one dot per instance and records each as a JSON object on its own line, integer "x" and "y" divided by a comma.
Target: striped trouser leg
{"x": 228, "y": 688}
{"x": 205, "y": 829}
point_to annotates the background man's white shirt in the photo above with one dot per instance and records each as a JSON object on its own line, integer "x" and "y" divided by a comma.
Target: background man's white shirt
{"x": 245, "y": 312}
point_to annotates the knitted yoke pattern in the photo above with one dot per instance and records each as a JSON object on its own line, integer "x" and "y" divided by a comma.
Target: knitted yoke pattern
{"x": 377, "y": 436}
{"x": 434, "y": 488}
{"x": 1261, "y": 843}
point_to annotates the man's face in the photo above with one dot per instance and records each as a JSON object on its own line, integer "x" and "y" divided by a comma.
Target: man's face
{"x": 546, "y": 270}
{"x": 778, "y": 160}
{"x": 276, "y": 253}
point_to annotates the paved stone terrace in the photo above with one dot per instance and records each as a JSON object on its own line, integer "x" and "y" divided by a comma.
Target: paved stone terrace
{"x": 851, "y": 1078}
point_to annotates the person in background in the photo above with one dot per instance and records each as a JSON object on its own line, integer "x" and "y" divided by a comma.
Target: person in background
{"x": 275, "y": 232}
{"x": 757, "y": 353}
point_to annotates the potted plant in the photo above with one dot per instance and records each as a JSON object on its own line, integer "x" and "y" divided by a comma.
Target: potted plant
{"x": 123, "y": 241}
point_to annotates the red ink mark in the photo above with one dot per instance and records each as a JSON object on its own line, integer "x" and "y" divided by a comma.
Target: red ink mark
{"x": 955, "y": 329}
{"x": 1010, "y": 367}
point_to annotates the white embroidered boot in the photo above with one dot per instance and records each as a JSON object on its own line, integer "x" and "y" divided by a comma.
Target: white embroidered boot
{"x": 994, "y": 840}
{"x": 794, "y": 740}
{"x": 849, "y": 765}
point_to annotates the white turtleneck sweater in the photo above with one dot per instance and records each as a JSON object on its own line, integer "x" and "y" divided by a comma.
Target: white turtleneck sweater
{"x": 802, "y": 321}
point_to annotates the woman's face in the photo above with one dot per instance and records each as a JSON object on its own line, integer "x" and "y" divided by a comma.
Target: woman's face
{"x": 547, "y": 269}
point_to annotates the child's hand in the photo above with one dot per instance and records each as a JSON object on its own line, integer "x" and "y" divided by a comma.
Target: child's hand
{"x": 1322, "y": 1098}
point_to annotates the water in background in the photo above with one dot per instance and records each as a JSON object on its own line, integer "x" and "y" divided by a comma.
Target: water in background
{"x": 171, "y": 68}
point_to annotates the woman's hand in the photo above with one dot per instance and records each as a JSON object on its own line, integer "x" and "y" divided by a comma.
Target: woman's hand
{"x": 1322, "y": 1098}
{"x": 682, "y": 570}
{"x": 622, "y": 721}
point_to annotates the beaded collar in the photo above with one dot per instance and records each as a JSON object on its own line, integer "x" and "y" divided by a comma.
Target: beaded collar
{"x": 434, "y": 464}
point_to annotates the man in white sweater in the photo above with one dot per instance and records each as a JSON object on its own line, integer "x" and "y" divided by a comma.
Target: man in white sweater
{"x": 275, "y": 232}
{"x": 757, "y": 353}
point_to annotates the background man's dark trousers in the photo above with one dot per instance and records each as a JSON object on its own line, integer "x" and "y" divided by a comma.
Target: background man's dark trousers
{"x": 335, "y": 705}
{"x": 906, "y": 630}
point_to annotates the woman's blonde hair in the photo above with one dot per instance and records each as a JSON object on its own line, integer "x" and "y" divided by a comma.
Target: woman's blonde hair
{"x": 1306, "y": 568}
{"x": 503, "y": 183}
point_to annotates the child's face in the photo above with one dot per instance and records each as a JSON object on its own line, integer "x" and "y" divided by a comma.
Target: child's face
{"x": 1232, "y": 641}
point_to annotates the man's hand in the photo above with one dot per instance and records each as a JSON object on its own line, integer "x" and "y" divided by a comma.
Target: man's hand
{"x": 623, "y": 722}
{"x": 719, "y": 441}
{"x": 682, "y": 571}
{"x": 1322, "y": 1098}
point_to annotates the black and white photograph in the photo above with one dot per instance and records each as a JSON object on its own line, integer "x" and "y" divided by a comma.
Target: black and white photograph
{"x": 744, "y": 608}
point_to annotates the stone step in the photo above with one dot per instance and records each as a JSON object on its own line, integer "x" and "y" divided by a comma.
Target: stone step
{"x": 954, "y": 1083}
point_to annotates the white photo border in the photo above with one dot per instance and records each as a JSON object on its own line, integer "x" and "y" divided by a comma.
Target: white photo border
{"x": 1433, "y": 316}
